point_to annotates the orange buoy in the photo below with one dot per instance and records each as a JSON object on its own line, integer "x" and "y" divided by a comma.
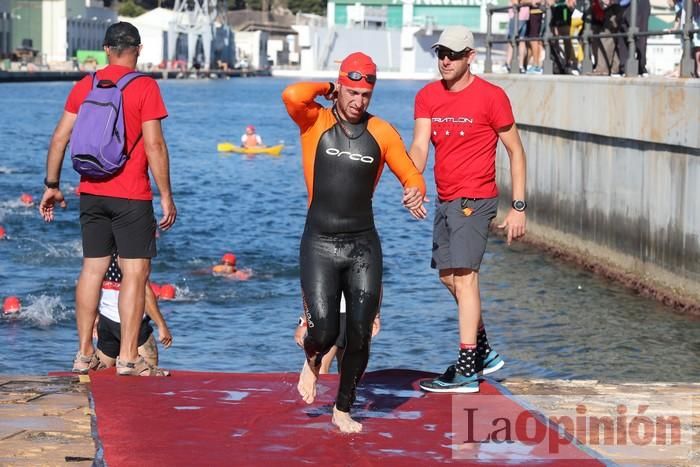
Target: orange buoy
{"x": 26, "y": 199}
{"x": 2, "y": 232}
{"x": 167, "y": 292}
{"x": 11, "y": 305}
{"x": 156, "y": 289}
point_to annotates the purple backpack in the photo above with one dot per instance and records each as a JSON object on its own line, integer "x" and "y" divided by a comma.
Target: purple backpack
{"x": 98, "y": 142}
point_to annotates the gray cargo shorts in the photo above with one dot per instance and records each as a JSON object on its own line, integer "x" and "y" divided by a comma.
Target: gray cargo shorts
{"x": 459, "y": 240}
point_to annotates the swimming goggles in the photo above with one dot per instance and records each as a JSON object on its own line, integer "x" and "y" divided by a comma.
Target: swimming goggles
{"x": 357, "y": 76}
{"x": 443, "y": 52}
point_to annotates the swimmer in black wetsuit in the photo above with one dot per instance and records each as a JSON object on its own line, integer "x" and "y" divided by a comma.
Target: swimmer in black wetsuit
{"x": 343, "y": 153}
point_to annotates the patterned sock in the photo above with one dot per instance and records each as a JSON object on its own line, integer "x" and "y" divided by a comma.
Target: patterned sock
{"x": 466, "y": 362}
{"x": 482, "y": 343}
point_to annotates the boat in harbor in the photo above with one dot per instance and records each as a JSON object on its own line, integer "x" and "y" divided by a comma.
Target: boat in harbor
{"x": 269, "y": 150}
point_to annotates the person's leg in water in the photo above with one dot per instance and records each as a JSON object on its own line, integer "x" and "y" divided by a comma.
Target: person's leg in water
{"x": 320, "y": 285}
{"x": 362, "y": 285}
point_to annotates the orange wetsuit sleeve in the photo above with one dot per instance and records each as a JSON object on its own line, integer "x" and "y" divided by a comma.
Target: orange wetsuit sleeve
{"x": 395, "y": 154}
{"x": 300, "y": 101}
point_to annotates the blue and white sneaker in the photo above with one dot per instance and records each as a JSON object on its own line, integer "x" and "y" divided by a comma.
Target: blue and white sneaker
{"x": 492, "y": 362}
{"x": 451, "y": 381}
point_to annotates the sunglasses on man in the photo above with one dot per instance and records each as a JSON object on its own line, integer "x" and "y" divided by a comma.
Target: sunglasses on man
{"x": 443, "y": 52}
{"x": 357, "y": 76}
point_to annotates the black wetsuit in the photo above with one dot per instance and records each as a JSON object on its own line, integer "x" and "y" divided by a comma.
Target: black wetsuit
{"x": 340, "y": 251}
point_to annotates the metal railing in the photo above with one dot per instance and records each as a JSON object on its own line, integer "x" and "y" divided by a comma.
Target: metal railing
{"x": 687, "y": 64}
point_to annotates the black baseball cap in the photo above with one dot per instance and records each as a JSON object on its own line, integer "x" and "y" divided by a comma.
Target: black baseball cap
{"x": 122, "y": 34}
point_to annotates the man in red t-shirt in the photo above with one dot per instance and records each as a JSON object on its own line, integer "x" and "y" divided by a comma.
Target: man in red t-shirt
{"x": 464, "y": 116}
{"x": 117, "y": 212}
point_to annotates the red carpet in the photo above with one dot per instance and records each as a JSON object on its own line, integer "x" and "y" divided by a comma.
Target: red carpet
{"x": 258, "y": 419}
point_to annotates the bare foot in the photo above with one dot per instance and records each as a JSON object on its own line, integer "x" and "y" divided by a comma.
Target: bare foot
{"x": 346, "y": 424}
{"x": 307, "y": 383}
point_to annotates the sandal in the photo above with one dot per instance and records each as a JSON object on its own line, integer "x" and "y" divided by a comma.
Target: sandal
{"x": 139, "y": 368}
{"x": 83, "y": 363}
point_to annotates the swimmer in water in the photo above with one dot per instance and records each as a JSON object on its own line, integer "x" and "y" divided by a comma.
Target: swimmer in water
{"x": 228, "y": 269}
{"x": 344, "y": 150}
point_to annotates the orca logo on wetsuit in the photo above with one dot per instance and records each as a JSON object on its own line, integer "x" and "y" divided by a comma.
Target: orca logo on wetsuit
{"x": 352, "y": 156}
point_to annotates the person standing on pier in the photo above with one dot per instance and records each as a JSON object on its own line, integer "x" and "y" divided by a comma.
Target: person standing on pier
{"x": 116, "y": 211}
{"x": 464, "y": 116}
{"x": 344, "y": 149}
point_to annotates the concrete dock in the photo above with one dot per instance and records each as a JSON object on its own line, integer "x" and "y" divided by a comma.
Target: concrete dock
{"x": 45, "y": 420}
{"x": 75, "y": 75}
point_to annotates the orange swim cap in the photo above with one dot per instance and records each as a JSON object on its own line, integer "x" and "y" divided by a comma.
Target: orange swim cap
{"x": 11, "y": 305}
{"x": 229, "y": 258}
{"x": 362, "y": 70}
{"x": 167, "y": 292}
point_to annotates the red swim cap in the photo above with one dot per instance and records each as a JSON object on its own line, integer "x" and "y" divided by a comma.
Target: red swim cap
{"x": 11, "y": 305}
{"x": 2, "y": 232}
{"x": 167, "y": 292}
{"x": 357, "y": 62}
{"x": 26, "y": 199}
{"x": 251, "y": 128}
{"x": 229, "y": 258}
{"x": 156, "y": 289}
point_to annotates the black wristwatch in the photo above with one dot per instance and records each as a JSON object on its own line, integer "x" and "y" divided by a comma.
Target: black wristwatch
{"x": 519, "y": 205}
{"x": 53, "y": 185}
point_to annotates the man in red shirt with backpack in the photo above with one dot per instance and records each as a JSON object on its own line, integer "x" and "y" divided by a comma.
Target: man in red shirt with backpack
{"x": 464, "y": 117}
{"x": 116, "y": 210}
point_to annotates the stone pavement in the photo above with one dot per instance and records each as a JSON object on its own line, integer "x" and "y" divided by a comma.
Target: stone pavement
{"x": 623, "y": 422}
{"x": 45, "y": 420}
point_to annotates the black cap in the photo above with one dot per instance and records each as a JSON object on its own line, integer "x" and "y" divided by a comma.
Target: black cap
{"x": 122, "y": 34}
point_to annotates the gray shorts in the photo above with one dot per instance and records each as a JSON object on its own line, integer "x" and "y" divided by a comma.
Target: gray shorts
{"x": 459, "y": 241}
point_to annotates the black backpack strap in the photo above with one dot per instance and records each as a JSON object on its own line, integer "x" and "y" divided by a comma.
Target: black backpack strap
{"x": 93, "y": 84}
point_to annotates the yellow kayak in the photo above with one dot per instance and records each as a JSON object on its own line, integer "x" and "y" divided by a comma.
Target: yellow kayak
{"x": 269, "y": 150}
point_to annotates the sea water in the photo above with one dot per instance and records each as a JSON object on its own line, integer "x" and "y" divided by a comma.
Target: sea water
{"x": 547, "y": 318}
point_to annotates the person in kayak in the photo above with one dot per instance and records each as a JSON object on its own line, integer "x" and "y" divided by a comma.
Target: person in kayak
{"x": 344, "y": 149}
{"x": 250, "y": 139}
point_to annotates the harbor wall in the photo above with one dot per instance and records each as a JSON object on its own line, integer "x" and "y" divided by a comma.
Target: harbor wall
{"x": 613, "y": 172}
